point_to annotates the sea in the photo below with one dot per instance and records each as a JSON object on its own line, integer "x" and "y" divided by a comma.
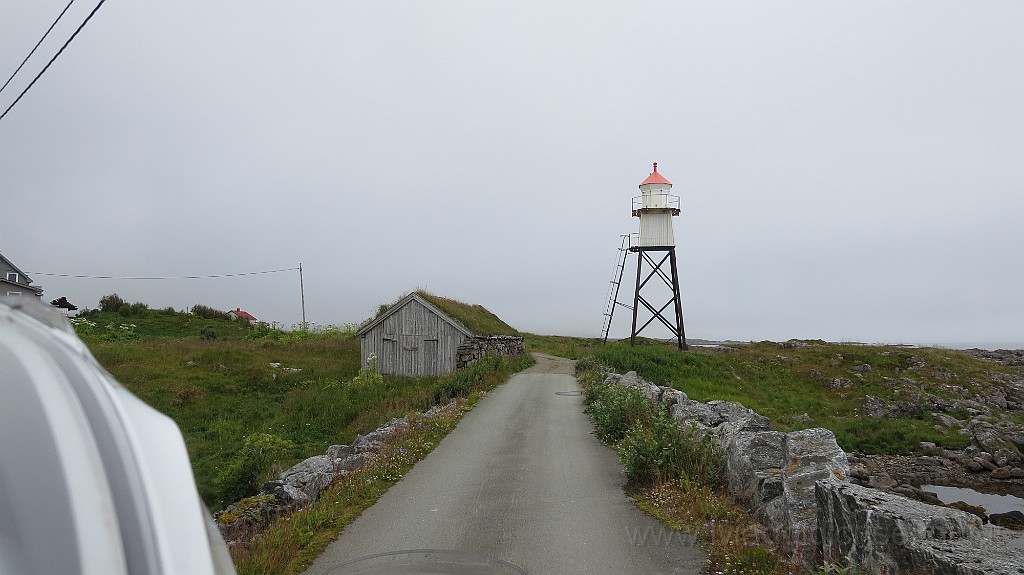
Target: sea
{"x": 991, "y": 346}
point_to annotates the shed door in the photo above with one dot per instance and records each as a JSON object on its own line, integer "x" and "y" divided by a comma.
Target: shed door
{"x": 411, "y": 355}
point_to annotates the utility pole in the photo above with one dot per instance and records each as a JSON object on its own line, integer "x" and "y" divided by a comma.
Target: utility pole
{"x": 302, "y": 291}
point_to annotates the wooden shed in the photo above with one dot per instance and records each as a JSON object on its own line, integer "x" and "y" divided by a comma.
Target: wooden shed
{"x": 423, "y": 334}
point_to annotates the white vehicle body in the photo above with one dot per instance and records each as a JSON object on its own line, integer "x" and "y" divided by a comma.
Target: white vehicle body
{"x": 92, "y": 480}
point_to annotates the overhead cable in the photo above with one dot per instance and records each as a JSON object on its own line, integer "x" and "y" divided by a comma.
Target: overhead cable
{"x": 163, "y": 277}
{"x": 47, "y": 67}
{"x": 47, "y": 33}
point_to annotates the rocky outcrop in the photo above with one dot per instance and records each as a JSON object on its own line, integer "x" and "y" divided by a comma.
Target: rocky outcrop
{"x": 886, "y": 533}
{"x": 773, "y": 472}
{"x": 477, "y": 347}
{"x": 798, "y": 484}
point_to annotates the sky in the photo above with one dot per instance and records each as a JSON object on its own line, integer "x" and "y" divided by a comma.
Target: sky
{"x": 846, "y": 171}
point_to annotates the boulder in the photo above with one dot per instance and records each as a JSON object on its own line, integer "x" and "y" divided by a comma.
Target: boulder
{"x": 670, "y": 397}
{"x": 335, "y": 452}
{"x": 886, "y": 533}
{"x": 753, "y": 466}
{"x": 690, "y": 411}
{"x": 737, "y": 423}
{"x": 352, "y": 462}
{"x": 808, "y": 456}
{"x": 1010, "y": 520}
{"x": 301, "y": 473}
{"x": 837, "y": 383}
{"x": 872, "y": 406}
{"x": 1001, "y": 473}
{"x": 947, "y": 420}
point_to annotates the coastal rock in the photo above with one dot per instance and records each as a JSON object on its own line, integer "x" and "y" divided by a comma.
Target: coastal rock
{"x": 670, "y": 396}
{"x": 837, "y": 383}
{"x": 872, "y": 406}
{"x": 885, "y": 533}
{"x": 808, "y": 456}
{"x": 336, "y": 452}
{"x": 753, "y": 466}
{"x": 1010, "y": 520}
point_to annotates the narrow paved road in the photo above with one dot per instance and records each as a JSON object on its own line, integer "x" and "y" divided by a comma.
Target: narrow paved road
{"x": 522, "y": 478}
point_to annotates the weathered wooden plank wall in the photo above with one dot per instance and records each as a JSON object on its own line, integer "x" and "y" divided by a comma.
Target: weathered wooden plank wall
{"x": 413, "y": 341}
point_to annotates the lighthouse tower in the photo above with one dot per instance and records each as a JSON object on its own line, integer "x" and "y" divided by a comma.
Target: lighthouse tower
{"x": 655, "y": 247}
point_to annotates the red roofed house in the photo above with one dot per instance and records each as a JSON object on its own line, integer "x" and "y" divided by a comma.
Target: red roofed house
{"x": 239, "y": 314}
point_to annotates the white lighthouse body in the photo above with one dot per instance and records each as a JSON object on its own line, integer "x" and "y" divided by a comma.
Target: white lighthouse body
{"x": 656, "y": 210}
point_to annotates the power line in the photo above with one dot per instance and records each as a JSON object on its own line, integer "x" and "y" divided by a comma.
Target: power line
{"x": 47, "y": 67}
{"x": 45, "y": 34}
{"x": 163, "y": 277}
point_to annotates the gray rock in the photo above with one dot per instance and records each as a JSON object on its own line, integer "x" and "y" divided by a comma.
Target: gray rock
{"x": 753, "y": 466}
{"x": 695, "y": 411}
{"x": 670, "y": 396}
{"x": 1001, "y": 473}
{"x": 317, "y": 482}
{"x": 302, "y": 472}
{"x": 947, "y": 420}
{"x": 339, "y": 451}
{"x": 737, "y": 423}
{"x": 883, "y": 481}
{"x": 837, "y": 383}
{"x": 984, "y": 464}
{"x": 884, "y": 533}
{"x": 352, "y": 462}
{"x": 630, "y": 378}
{"x": 872, "y": 406}
{"x": 733, "y": 411}
{"x": 1012, "y": 519}
{"x": 809, "y": 456}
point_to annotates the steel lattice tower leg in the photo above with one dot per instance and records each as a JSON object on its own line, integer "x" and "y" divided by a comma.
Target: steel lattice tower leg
{"x": 672, "y": 281}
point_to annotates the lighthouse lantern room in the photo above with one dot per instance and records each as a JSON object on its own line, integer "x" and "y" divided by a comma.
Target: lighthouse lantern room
{"x": 655, "y": 248}
{"x": 656, "y": 210}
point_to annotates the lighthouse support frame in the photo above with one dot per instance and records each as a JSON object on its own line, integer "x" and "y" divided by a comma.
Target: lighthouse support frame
{"x": 670, "y": 279}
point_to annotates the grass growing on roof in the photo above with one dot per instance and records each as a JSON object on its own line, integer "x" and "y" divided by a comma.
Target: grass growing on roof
{"x": 475, "y": 318}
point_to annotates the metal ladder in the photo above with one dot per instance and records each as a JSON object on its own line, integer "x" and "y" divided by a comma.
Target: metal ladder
{"x": 613, "y": 288}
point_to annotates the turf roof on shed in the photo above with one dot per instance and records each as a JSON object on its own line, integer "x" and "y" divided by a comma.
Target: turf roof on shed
{"x": 475, "y": 318}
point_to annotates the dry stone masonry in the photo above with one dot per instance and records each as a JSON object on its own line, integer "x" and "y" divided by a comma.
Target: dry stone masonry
{"x": 302, "y": 484}
{"x": 477, "y": 347}
{"x": 797, "y": 484}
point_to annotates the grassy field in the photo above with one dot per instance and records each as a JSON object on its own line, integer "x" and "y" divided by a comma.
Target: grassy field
{"x": 678, "y": 480}
{"x": 252, "y": 402}
{"x": 786, "y": 381}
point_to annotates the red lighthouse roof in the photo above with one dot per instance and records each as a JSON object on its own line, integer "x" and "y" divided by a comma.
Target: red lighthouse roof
{"x": 655, "y": 177}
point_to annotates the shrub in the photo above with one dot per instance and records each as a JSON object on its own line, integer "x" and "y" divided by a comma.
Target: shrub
{"x": 137, "y": 309}
{"x": 207, "y": 312}
{"x": 111, "y": 303}
{"x": 246, "y": 471}
{"x": 208, "y": 333}
{"x": 660, "y": 450}
{"x": 615, "y": 408}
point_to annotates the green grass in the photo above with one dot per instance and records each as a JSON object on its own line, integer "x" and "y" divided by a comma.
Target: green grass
{"x": 474, "y": 317}
{"x": 784, "y": 382}
{"x": 158, "y": 323}
{"x": 293, "y": 541}
{"x": 570, "y": 347}
{"x": 224, "y": 390}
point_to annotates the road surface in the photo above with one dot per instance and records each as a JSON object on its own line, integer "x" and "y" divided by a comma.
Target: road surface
{"x": 521, "y": 478}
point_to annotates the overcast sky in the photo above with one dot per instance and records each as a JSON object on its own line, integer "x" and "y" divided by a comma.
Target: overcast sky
{"x": 847, "y": 171}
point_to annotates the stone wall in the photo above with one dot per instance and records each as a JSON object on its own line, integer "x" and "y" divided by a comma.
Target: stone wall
{"x": 797, "y": 485}
{"x": 302, "y": 484}
{"x": 478, "y": 347}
